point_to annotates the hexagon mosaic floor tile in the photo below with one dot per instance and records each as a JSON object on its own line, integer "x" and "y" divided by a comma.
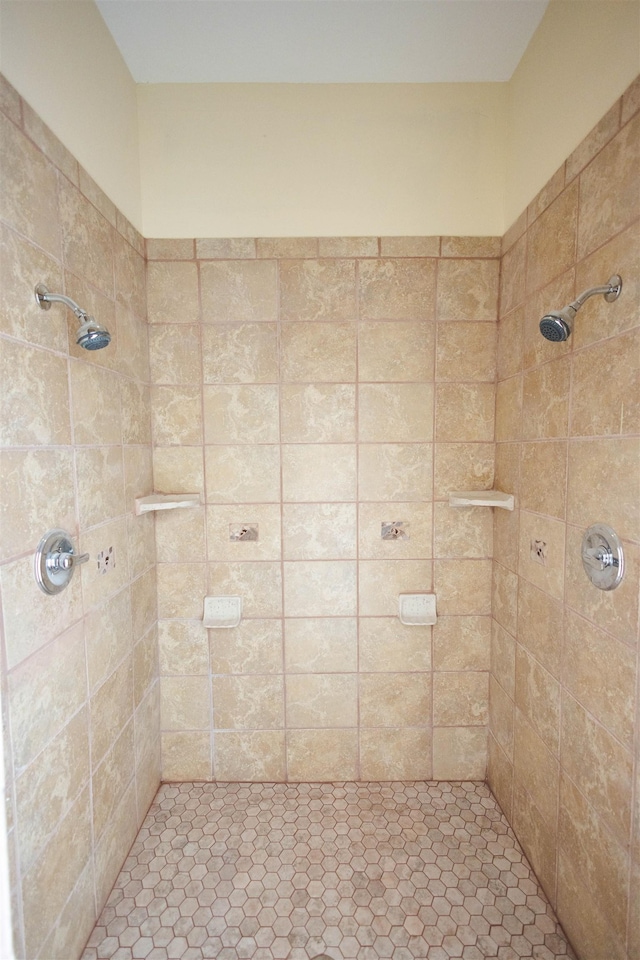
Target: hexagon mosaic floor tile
{"x": 326, "y": 872}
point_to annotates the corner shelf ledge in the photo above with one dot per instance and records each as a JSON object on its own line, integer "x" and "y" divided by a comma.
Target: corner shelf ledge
{"x": 481, "y": 498}
{"x": 166, "y": 501}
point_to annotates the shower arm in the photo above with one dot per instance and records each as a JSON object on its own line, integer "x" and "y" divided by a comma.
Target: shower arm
{"x": 610, "y": 290}
{"x": 45, "y": 299}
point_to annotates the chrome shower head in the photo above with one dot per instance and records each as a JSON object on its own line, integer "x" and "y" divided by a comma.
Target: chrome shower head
{"x": 91, "y": 335}
{"x": 557, "y": 324}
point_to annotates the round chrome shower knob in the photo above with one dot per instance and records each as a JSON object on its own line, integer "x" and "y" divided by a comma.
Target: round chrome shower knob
{"x": 55, "y": 561}
{"x": 602, "y": 556}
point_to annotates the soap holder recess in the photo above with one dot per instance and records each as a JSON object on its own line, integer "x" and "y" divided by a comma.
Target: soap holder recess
{"x": 481, "y": 498}
{"x": 417, "y": 609}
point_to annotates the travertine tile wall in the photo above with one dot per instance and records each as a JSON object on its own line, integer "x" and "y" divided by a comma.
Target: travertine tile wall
{"x": 564, "y": 741}
{"x": 79, "y": 670}
{"x": 317, "y": 388}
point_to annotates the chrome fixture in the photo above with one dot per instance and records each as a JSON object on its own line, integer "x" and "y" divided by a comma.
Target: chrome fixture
{"x": 602, "y": 556}
{"x": 55, "y": 561}
{"x": 91, "y": 335}
{"x": 557, "y": 324}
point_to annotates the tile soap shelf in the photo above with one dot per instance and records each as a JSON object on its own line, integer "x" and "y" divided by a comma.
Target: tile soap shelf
{"x": 481, "y": 498}
{"x": 166, "y": 501}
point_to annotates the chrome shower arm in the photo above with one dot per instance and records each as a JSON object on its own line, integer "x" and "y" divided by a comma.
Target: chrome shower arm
{"x": 45, "y": 299}
{"x": 611, "y": 291}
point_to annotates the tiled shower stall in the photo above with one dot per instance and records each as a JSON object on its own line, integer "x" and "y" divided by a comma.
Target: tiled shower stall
{"x": 317, "y": 389}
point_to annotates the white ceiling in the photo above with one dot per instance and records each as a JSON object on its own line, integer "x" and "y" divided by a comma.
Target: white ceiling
{"x": 321, "y": 41}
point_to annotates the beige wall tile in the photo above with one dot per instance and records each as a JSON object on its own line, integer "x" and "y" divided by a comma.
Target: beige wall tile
{"x": 250, "y": 756}
{"x": 550, "y": 575}
{"x": 47, "y": 788}
{"x": 31, "y": 618}
{"x": 348, "y": 246}
{"x": 319, "y": 531}
{"x": 183, "y": 647}
{"x": 174, "y": 351}
{"x": 255, "y": 646}
{"x": 37, "y": 496}
{"x": 318, "y": 413}
{"x": 631, "y": 100}
{"x": 178, "y": 469}
{"x": 418, "y": 521}
{"x": 465, "y": 411}
{"x": 111, "y": 779}
{"x": 600, "y": 672}
{"x": 510, "y": 345}
{"x": 551, "y": 240}
{"x": 318, "y": 472}
{"x": 132, "y": 346}
{"x": 321, "y": 700}
{"x": 513, "y": 274}
{"x": 48, "y": 884}
{"x": 598, "y": 766}
{"x": 177, "y": 415}
{"x": 135, "y": 403}
{"x": 500, "y": 776}
{"x": 410, "y": 246}
{"x": 287, "y": 247}
{"x": 612, "y": 610}
{"x": 501, "y": 720}
{"x": 248, "y": 702}
{"x": 95, "y": 405}
{"x": 552, "y": 189}
{"x": 599, "y": 319}
{"x": 545, "y": 406}
{"x": 318, "y": 352}
{"x": 394, "y": 700}
{"x": 100, "y": 484}
{"x": 461, "y": 699}
{"x": 240, "y": 353}
{"x": 468, "y": 290}
{"x": 394, "y": 471}
{"x": 180, "y": 535}
{"x": 508, "y": 409}
{"x": 596, "y": 491}
{"x": 618, "y": 409}
{"x": 317, "y": 290}
{"x": 109, "y": 637}
{"x": 397, "y": 289}
{"x": 395, "y": 754}
{"x": 169, "y": 249}
{"x": 27, "y": 173}
{"x": 76, "y": 920}
{"x": 259, "y": 584}
{"x": 589, "y": 929}
{"x": 130, "y": 276}
{"x": 111, "y": 709}
{"x": 609, "y": 198}
{"x": 321, "y": 645}
{"x": 185, "y": 703}
{"x": 459, "y": 753}
{"x": 172, "y": 292}
{"x": 503, "y": 659}
{"x": 108, "y": 540}
{"x": 471, "y": 247}
{"x": 540, "y": 626}
{"x": 118, "y": 836}
{"x": 538, "y": 697}
{"x": 10, "y": 102}
{"x": 242, "y": 474}
{"x": 506, "y": 525}
{"x": 95, "y": 195}
{"x": 543, "y": 478}
{"x": 321, "y": 755}
{"x": 463, "y": 586}
{"x": 595, "y": 140}
{"x": 144, "y": 605}
{"x": 536, "y": 769}
{"x": 186, "y": 756}
{"x": 462, "y": 531}
{"x": 22, "y": 266}
{"x": 241, "y": 414}
{"x": 234, "y": 248}
{"x": 538, "y": 838}
{"x": 220, "y": 521}
{"x": 401, "y": 350}
{"x": 238, "y": 291}
{"x": 461, "y": 643}
{"x": 145, "y": 665}
{"x": 320, "y": 588}
{"x": 462, "y": 466}
{"x": 87, "y": 239}
{"x": 388, "y": 646}
{"x": 35, "y": 400}
{"x": 181, "y": 590}
{"x": 466, "y": 351}
{"x": 380, "y": 582}
{"x": 596, "y": 855}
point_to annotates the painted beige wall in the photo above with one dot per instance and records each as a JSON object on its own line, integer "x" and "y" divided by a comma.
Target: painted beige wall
{"x": 582, "y": 57}
{"x": 62, "y": 59}
{"x": 321, "y": 159}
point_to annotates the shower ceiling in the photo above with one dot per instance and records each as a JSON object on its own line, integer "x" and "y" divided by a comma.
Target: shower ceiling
{"x": 321, "y": 41}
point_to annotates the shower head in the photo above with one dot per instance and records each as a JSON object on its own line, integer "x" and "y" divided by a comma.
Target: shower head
{"x": 91, "y": 335}
{"x": 557, "y": 324}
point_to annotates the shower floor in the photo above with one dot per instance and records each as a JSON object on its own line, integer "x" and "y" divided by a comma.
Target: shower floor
{"x": 332, "y": 870}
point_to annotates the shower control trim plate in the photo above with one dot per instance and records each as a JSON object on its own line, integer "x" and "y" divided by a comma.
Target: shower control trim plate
{"x": 55, "y": 561}
{"x": 602, "y": 556}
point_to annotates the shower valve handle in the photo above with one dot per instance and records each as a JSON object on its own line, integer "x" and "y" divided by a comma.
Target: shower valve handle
{"x": 65, "y": 561}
